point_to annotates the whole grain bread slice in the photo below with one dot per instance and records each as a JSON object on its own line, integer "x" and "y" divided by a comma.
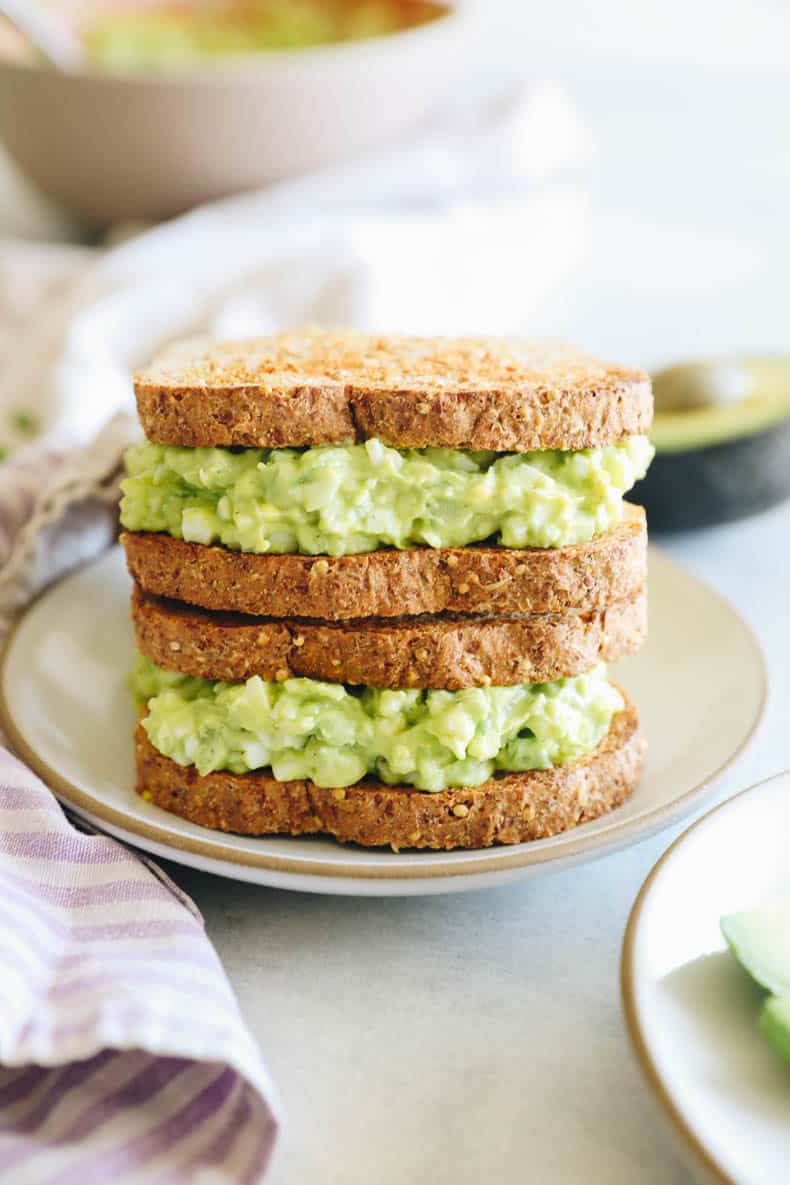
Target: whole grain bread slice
{"x": 444, "y": 651}
{"x": 508, "y": 809}
{"x": 610, "y": 567}
{"x": 313, "y": 387}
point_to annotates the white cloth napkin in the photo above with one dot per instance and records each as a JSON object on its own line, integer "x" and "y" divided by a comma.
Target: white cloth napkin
{"x": 465, "y": 231}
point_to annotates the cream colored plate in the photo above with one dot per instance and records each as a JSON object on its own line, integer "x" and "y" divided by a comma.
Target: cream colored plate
{"x": 699, "y": 683}
{"x": 692, "y": 1011}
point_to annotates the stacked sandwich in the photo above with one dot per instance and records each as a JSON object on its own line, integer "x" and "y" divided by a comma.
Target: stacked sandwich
{"x": 376, "y": 583}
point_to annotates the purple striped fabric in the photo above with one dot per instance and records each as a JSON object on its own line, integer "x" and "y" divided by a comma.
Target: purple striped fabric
{"x": 123, "y": 1055}
{"x": 21, "y": 486}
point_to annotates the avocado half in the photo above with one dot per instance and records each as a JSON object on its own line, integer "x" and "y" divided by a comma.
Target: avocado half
{"x": 760, "y": 941}
{"x": 722, "y": 439}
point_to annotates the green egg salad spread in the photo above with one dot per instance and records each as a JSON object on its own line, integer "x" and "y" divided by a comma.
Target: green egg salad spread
{"x": 334, "y": 735}
{"x": 177, "y": 32}
{"x": 343, "y": 499}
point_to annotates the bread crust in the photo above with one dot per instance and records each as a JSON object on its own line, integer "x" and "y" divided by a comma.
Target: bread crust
{"x": 512, "y": 808}
{"x": 444, "y": 651}
{"x": 585, "y": 576}
{"x": 313, "y": 387}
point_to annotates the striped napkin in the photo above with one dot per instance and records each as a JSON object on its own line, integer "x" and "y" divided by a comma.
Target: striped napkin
{"x": 123, "y": 1055}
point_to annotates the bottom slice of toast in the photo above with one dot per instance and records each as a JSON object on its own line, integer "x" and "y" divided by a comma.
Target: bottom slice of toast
{"x": 510, "y": 808}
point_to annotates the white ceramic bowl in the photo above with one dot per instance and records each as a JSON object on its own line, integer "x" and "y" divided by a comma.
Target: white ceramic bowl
{"x": 114, "y": 146}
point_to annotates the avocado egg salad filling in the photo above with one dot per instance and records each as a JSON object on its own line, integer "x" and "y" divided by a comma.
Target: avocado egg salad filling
{"x": 334, "y": 735}
{"x": 350, "y": 498}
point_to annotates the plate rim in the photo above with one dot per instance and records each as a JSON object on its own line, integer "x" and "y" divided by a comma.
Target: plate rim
{"x": 628, "y": 993}
{"x": 527, "y": 855}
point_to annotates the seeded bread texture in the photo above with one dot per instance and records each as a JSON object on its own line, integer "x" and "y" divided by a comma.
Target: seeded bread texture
{"x": 465, "y": 580}
{"x": 509, "y": 809}
{"x": 313, "y": 387}
{"x": 445, "y": 651}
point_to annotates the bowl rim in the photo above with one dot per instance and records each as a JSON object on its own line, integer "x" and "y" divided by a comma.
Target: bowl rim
{"x": 254, "y": 65}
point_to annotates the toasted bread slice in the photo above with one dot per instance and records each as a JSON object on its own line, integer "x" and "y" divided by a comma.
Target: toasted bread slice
{"x": 313, "y": 387}
{"x": 445, "y": 651}
{"x": 508, "y": 809}
{"x": 584, "y": 576}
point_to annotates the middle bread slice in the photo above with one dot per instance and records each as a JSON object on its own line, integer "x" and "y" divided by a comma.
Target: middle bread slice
{"x": 447, "y": 650}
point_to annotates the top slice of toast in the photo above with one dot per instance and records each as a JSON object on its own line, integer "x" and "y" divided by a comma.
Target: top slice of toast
{"x": 314, "y": 387}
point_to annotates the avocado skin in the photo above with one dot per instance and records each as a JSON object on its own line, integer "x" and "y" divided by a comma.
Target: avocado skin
{"x": 775, "y": 1024}
{"x": 719, "y": 483}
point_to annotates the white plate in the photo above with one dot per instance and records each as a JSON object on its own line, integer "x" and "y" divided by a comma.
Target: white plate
{"x": 699, "y": 683}
{"x": 692, "y": 1011}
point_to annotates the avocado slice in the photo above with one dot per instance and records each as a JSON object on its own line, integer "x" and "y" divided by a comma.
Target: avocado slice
{"x": 775, "y": 1024}
{"x": 760, "y": 941}
{"x": 722, "y": 438}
